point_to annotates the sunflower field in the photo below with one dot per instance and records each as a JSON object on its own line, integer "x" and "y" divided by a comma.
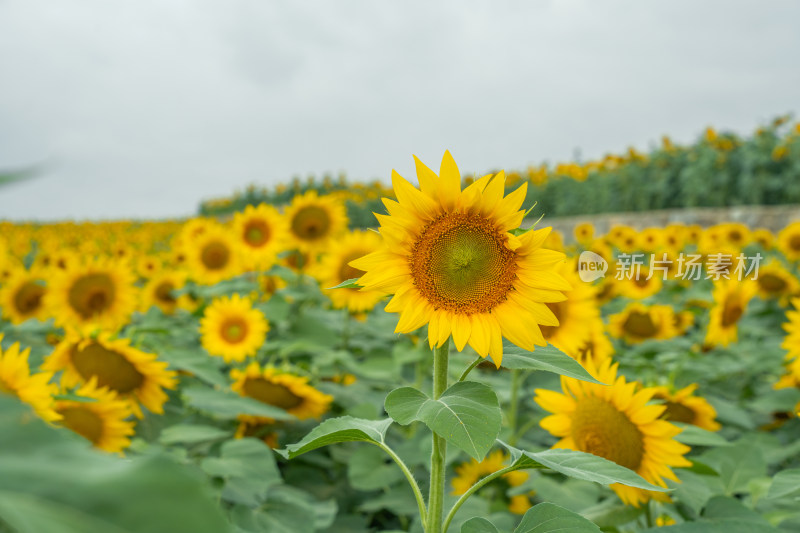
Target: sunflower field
{"x": 457, "y": 367}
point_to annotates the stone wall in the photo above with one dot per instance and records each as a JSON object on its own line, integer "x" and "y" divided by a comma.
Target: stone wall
{"x": 771, "y": 217}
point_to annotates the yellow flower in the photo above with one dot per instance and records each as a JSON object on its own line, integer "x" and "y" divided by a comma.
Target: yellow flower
{"x": 683, "y": 406}
{"x": 584, "y": 232}
{"x": 467, "y": 474}
{"x": 159, "y": 292}
{"x": 774, "y": 281}
{"x": 262, "y": 233}
{"x": 286, "y": 391}
{"x": 576, "y": 315}
{"x": 33, "y": 389}
{"x": 98, "y": 294}
{"x": 135, "y": 376}
{"x": 791, "y": 343}
{"x": 213, "y": 255}
{"x": 730, "y": 301}
{"x": 764, "y": 237}
{"x": 269, "y": 285}
{"x": 597, "y": 347}
{"x": 638, "y": 322}
{"x": 103, "y": 422}
{"x": 314, "y": 220}
{"x": 232, "y": 329}
{"x": 639, "y": 286}
{"x": 334, "y": 268}
{"x": 450, "y": 262}
{"x": 789, "y": 241}
{"x": 615, "y": 422}
{"x": 22, "y": 296}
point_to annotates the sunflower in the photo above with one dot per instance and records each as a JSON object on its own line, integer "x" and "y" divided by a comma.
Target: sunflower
{"x": 639, "y": 286}
{"x": 286, "y": 391}
{"x": 148, "y": 266}
{"x": 159, "y": 292}
{"x": 651, "y": 239}
{"x": 232, "y": 329}
{"x": 451, "y": 263}
{"x": 576, "y": 314}
{"x": 584, "y": 232}
{"x": 135, "y": 376}
{"x": 789, "y": 241}
{"x": 774, "y": 281}
{"x": 736, "y": 234}
{"x": 213, "y": 255}
{"x": 730, "y": 301}
{"x": 467, "y": 474}
{"x": 314, "y": 220}
{"x": 99, "y": 293}
{"x": 262, "y": 233}
{"x": 764, "y": 238}
{"x": 103, "y": 422}
{"x": 22, "y": 296}
{"x": 638, "y": 322}
{"x": 683, "y": 406}
{"x": 33, "y": 389}
{"x": 615, "y": 422}
{"x": 596, "y": 347}
{"x": 269, "y": 285}
{"x": 674, "y": 237}
{"x": 334, "y": 268}
{"x": 791, "y": 343}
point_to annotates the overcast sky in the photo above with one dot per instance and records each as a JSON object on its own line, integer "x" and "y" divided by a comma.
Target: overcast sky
{"x": 143, "y": 109}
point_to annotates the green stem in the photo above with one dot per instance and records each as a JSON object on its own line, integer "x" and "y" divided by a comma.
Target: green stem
{"x": 439, "y": 451}
{"x": 466, "y": 372}
{"x": 512, "y": 411}
{"x": 472, "y": 490}
{"x": 411, "y": 481}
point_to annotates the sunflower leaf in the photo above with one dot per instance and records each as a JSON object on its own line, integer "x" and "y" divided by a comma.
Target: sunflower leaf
{"x": 549, "y": 518}
{"x": 695, "y": 436}
{"x": 580, "y": 465}
{"x": 466, "y": 415}
{"x": 785, "y": 483}
{"x": 547, "y": 358}
{"x": 347, "y": 284}
{"x": 478, "y": 524}
{"x": 335, "y": 430}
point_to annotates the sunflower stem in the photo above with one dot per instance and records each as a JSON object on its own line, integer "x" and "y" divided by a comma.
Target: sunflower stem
{"x": 411, "y": 481}
{"x": 466, "y": 372}
{"x": 439, "y": 448}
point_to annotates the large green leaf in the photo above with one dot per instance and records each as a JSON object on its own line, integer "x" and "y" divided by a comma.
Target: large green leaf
{"x": 547, "y": 358}
{"x": 550, "y": 518}
{"x": 785, "y": 483}
{"x": 192, "y": 434}
{"x": 478, "y": 525}
{"x": 466, "y": 415}
{"x": 228, "y": 405}
{"x": 580, "y": 465}
{"x": 335, "y": 430}
{"x": 248, "y": 468}
{"x": 52, "y": 480}
{"x": 695, "y": 436}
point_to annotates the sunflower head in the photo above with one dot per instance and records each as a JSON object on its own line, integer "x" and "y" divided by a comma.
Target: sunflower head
{"x": 615, "y": 422}
{"x": 684, "y": 406}
{"x": 730, "y": 302}
{"x": 789, "y": 241}
{"x": 450, "y": 261}
{"x": 284, "y": 390}
{"x": 134, "y": 376}
{"x": 213, "y": 255}
{"x": 637, "y": 323}
{"x": 103, "y": 421}
{"x": 99, "y": 293}
{"x": 232, "y": 329}
{"x": 261, "y": 232}
{"x": 33, "y": 389}
{"x": 22, "y": 296}
{"x": 314, "y": 220}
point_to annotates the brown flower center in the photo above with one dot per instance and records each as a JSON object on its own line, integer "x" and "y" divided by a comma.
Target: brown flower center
{"x": 83, "y": 422}
{"x": 271, "y": 393}
{"x": 794, "y": 243}
{"x": 234, "y": 330}
{"x": 311, "y": 223}
{"x": 771, "y": 283}
{"x": 256, "y": 233}
{"x": 163, "y": 292}
{"x": 111, "y": 368}
{"x": 600, "y": 429}
{"x": 461, "y": 263}
{"x": 215, "y": 255}
{"x": 92, "y": 294}
{"x": 640, "y": 324}
{"x": 28, "y": 299}
{"x": 678, "y": 412}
